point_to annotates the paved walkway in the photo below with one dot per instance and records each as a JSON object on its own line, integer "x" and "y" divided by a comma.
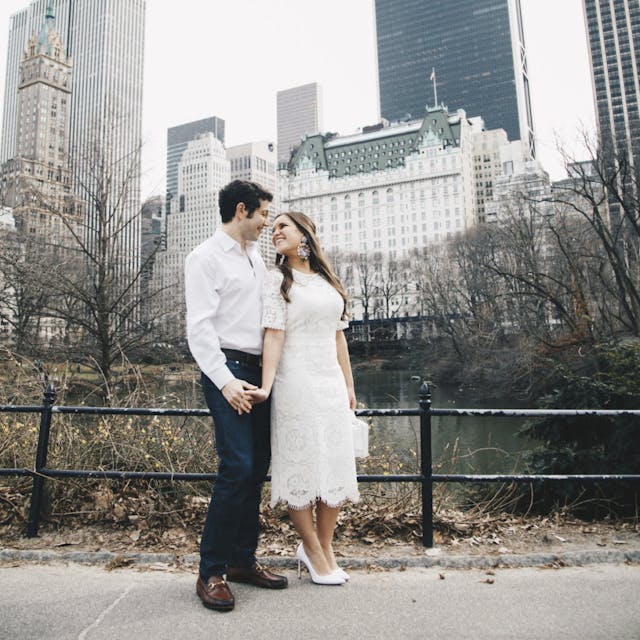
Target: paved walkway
{"x": 68, "y": 600}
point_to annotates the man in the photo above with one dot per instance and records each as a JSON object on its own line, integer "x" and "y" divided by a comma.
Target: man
{"x": 223, "y": 286}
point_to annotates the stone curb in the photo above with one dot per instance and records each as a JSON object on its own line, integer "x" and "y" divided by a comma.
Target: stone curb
{"x": 115, "y": 560}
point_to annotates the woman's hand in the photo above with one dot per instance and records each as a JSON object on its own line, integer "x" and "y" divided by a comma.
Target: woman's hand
{"x": 258, "y": 395}
{"x": 352, "y": 398}
{"x": 236, "y": 393}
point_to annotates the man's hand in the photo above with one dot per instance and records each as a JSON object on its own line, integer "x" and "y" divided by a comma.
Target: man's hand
{"x": 236, "y": 393}
{"x": 258, "y": 395}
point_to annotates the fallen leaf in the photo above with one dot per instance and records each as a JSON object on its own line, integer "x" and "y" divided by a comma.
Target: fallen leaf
{"x": 117, "y": 562}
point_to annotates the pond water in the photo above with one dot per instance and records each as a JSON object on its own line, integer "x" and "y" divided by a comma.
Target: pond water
{"x": 460, "y": 444}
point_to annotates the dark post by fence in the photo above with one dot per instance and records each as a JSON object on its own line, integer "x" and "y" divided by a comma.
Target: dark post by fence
{"x": 426, "y": 465}
{"x": 41, "y": 462}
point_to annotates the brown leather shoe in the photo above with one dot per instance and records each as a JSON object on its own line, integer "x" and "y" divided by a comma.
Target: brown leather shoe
{"x": 257, "y": 576}
{"x": 215, "y": 593}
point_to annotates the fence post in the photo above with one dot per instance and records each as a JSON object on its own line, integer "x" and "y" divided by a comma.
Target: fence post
{"x": 41, "y": 461}
{"x": 426, "y": 465}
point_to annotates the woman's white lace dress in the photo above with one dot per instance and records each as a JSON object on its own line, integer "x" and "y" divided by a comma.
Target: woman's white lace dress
{"x": 311, "y": 435}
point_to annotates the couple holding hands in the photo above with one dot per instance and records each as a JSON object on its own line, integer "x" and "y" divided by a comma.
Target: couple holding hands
{"x": 277, "y": 379}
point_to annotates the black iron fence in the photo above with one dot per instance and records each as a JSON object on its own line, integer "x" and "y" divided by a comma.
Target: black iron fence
{"x": 426, "y": 478}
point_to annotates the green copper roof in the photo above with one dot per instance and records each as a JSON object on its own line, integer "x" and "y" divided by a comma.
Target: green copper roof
{"x": 377, "y": 147}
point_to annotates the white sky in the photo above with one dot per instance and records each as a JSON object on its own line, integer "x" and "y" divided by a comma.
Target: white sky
{"x": 229, "y": 58}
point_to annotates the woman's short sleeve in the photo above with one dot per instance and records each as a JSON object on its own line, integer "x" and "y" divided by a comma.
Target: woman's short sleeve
{"x": 342, "y": 325}
{"x": 274, "y": 306}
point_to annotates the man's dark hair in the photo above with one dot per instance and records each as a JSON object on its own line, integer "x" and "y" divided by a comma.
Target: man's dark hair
{"x": 241, "y": 191}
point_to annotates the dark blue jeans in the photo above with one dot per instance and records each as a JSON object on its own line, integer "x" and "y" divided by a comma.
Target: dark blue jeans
{"x": 230, "y": 534}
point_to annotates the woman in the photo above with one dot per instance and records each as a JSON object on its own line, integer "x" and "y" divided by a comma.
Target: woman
{"x": 306, "y": 362}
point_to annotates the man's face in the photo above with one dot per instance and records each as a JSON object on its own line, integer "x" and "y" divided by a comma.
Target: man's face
{"x": 253, "y": 226}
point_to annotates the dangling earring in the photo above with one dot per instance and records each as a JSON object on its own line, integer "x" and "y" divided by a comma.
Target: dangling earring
{"x": 303, "y": 249}
{"x": 281, "y": 258}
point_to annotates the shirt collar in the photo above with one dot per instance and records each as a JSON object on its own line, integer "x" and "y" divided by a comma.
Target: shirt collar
{"x": 228, "y": 243}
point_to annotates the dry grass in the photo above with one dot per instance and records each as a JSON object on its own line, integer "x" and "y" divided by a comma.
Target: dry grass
{"x": 163, "y": 514}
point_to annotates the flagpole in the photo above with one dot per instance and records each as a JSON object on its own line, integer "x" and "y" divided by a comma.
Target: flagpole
{"x": 435, "y": 88}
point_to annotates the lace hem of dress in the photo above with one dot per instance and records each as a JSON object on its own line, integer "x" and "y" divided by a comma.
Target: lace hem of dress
{"x": 310, "y": 503}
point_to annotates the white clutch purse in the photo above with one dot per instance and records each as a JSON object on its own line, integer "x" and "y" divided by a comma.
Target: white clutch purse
{"x": 360, "y": 437}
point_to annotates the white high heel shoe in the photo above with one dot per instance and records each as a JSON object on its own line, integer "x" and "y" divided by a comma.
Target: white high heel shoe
{"x": 342, "y": 573}
{"x": 330, "y": 579}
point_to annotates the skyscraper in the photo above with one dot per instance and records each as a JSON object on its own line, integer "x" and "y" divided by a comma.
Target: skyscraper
{"x": 105, "y": 42}
{"x": 202, "y": 171}
{"x": 614, "y": 48}
{"x": 37, "y": 180}
{"x": 177, "y": 140}
{"x": 473, "y": 49}
{"x": 299, "y": 112}
{"x": 256, "y": 161}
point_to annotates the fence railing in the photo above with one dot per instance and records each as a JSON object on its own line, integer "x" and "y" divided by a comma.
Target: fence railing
{"x": 426, "y": 478}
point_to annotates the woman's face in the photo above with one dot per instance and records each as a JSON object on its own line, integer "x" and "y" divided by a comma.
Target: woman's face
{"x": 285, "y": 236}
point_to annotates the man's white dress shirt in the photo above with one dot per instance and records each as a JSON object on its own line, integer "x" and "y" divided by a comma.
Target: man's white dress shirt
{"x": 223, "y": 289}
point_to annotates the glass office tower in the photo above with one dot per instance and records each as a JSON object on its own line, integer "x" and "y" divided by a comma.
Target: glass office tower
{"x": 614, "y": 48}
{"x": 475, "y": 49}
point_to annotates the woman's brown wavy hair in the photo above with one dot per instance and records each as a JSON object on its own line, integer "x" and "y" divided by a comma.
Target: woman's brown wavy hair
{"x": 317, "y": 260}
